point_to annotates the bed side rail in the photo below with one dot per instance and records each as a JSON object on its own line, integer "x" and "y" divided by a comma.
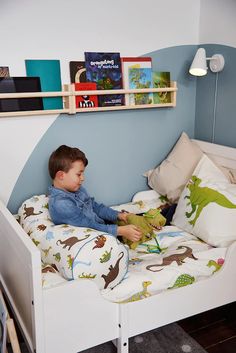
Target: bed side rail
{"x": 20, "y": 276}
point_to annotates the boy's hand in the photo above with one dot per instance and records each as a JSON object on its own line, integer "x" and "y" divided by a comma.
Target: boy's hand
{"x": 130, "y": 232}
{"x": 122, "y": 216}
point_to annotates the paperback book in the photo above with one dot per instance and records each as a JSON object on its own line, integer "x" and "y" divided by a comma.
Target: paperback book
{"x": 104, "y": 69}
{"x": 161, "y": 80}
{"x": 77, "y": 71}
{"x": 132, "y": 62}
{"x": 49, "y": 72}
{"x": 86, "y": 101}
{"x": 140, "y": 78}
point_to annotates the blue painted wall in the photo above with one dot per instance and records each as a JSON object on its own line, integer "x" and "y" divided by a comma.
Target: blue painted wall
{"x": 223, "y": 86}
{"x": 120, "y": 145}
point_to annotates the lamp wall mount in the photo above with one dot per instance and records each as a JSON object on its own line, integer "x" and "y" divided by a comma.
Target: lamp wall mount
{"x": 199, "y": 64}
{"x": 217, "y": 63}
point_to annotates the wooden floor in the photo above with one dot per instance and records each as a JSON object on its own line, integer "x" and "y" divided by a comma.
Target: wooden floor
{"x": 214, "y": 330}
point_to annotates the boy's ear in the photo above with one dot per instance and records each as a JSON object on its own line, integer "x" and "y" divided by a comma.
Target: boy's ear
{"x": 60, "y": 174}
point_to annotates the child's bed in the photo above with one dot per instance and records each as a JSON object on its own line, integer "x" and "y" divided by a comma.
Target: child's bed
{"x": 74, "y": 316}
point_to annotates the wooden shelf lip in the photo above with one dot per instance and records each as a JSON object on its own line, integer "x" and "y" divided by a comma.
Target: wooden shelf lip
{"x": 35, "y": 94}
{"x": 72, "y": 92}
{"x": 69, "y": 100}
{"x": 125, "y": 107}
{"x": 34, "y": 112}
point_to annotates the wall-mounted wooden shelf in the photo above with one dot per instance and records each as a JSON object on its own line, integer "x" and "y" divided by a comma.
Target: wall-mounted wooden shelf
{"x": 69, "y": 94}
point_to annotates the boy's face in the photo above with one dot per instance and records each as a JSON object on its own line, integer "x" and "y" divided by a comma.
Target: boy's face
{"x": 73, "y": 179}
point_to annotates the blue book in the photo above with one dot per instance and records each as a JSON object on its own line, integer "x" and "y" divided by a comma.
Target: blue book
{"x": 105, "y": 70}
{"x": 49, "y": 73}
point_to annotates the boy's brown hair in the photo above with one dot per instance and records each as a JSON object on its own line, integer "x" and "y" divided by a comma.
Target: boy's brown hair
{"x": 63, "y": 157}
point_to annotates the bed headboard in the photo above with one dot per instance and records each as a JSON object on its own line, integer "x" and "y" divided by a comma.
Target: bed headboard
{"x": 223, "y": 155}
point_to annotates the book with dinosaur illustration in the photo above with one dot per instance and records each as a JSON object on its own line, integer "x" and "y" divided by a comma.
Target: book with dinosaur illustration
{"x": 132, "y": 62}
{"x": 140, "y": 78}
{"x": 104, "y": 69}
{"x": 86, "y": 101}
{"x": 77, "y": 71}
{"x": 160, "y": 80}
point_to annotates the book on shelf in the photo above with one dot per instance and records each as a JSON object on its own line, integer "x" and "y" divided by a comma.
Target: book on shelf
{"x": 86, "y": 101}
{"x": 49, "y": 72}
{"x": 20, "y": 85}
{"x": 140, "y": 78}
{"x": 161, "y": 80}
{"x": 104, "y": 69}
{"x": 77, "y": 71}
{"x": 4, "y": 71}
{"x": 132, "y": 62}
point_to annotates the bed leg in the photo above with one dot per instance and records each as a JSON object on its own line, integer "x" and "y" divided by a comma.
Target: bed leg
{"x": 122, "y": 343}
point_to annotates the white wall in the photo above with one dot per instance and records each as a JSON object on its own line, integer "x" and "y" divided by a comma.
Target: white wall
{"x": 217, "y": 22}
{"x": 60, "y": 29}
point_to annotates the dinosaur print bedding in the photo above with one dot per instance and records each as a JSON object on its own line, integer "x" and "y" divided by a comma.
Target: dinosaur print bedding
{"x": 75, "y": 252}
{"x": 183, "y": 260}
{"x": 173, "y": 259}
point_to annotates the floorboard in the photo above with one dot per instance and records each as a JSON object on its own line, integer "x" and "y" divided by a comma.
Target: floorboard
{"x": 214, "y": 330}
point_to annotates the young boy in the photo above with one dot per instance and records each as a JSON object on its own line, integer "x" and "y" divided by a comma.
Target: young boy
{"x": 69, "y": 201}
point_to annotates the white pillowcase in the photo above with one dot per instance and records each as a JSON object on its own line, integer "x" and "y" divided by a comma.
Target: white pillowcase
{"x": 207, "y": 205}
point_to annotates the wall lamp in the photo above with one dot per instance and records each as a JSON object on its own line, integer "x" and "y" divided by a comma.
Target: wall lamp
{"x": 199, "y": 64}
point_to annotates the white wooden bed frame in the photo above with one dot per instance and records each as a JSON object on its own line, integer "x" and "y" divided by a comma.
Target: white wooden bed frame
{"x": 74, "y": 316}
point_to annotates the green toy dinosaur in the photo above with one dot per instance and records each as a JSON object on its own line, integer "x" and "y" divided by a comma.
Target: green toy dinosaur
{"x": 200, "y": 197}
{"x": 150, "y": 221}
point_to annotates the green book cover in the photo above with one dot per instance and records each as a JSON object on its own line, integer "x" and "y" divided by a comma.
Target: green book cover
{"x": 160, "y": 80}
{"x": 49, "y": 73}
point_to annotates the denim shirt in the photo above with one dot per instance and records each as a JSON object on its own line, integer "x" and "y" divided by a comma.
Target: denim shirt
{"x": 79, "y": 209}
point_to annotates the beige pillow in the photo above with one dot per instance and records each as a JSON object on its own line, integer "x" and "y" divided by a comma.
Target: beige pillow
{"x": 170, "y": 177}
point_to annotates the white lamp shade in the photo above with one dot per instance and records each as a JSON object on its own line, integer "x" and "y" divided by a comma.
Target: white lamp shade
{"x": 199, "y": 65}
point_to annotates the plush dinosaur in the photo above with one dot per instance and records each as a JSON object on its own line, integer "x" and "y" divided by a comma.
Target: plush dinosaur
{"x": 150, "y": 221}
{"x": 200, "y": 197}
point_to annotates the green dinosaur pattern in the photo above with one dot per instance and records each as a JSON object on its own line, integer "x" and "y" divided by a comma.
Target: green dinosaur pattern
{"x": 87, "y": 276}
{"x": 105, "y": 256}
{"x": 183, "y": 280}
{"x": 140, "y": 295}
{"x": 215, "y": 264}
{"x": 70, "y": 260}
{"x": 200, "y": 197}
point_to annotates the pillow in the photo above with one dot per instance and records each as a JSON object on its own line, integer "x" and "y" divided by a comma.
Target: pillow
{"x": 76, "y": 252}
{"x": 170, "y": 177}
{"x": 207, "y": 206}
